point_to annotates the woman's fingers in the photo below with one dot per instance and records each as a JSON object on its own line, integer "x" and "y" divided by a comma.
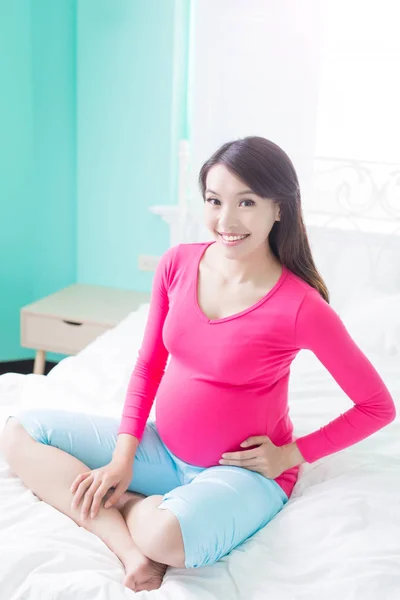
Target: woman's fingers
{"x": 78, "y": 480}
{"x": 116, "y": 495}
{"x": 88, "y": 499}
{"x": 97, "y": 498}
{"x": 82, "y": 487}
{"x": 244, "y": 462}
{"x": 242, "y": 454}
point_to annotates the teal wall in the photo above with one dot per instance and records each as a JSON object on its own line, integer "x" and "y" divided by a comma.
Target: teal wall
{"x": 92, "y": 105}
{"x": 37, "y": 158}
{"x": 130, "y": 98}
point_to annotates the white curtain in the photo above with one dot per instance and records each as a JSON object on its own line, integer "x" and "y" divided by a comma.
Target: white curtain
{"x": 319, "y": 78}
{"x": 254, "y": 70}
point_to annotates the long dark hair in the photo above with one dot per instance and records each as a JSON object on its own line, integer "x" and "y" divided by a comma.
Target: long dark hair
{"x": 270, "y": 173}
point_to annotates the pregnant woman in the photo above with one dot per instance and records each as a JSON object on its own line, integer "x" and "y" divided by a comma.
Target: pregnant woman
{"x": 220, "y": 460}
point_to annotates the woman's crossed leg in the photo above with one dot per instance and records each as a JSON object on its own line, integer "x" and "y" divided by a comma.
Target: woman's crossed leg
{"x": 185, "y": 517}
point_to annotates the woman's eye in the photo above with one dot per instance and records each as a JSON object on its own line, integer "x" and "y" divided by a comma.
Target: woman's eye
{"x": 212, "y": 200}
{"x": 216, "y": 202}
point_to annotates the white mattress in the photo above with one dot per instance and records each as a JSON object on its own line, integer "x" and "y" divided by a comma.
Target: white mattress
{"x": 338, "y": 537}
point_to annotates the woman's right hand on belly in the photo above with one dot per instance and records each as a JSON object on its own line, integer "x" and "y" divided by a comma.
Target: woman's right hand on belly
{"x": 91, "y": 487}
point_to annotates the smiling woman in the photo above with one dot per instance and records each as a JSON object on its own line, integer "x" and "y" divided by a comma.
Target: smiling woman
{"x": 235, "y": 215}
{"x": 250, "y": 187}
{"x": 220, "y": 460}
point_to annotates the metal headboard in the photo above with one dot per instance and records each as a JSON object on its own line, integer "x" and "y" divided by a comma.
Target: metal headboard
{"x": 353, "y": 223}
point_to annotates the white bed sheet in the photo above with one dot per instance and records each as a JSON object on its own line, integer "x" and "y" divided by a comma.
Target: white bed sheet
{"x": 338, "y": 536}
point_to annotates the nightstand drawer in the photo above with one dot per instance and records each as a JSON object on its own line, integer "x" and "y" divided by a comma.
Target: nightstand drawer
{"x": 57, "y": 335}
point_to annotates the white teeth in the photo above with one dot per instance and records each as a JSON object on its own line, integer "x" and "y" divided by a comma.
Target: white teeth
{"x": 233, "y": 238}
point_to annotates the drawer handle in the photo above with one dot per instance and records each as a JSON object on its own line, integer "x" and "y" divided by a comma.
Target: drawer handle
{"x": 72, "y": 323}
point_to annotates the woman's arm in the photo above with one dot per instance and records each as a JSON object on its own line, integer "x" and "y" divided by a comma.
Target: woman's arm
{"x": 125, "y": 449}
{"x": 150, "y": 364}
{"x": 320, "y": 329}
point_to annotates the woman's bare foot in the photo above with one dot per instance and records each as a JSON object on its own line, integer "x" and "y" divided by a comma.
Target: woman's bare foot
{"x": 143, "y": 573}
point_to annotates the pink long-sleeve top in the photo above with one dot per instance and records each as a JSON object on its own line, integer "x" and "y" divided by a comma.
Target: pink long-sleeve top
{"x": 227, "y": 379}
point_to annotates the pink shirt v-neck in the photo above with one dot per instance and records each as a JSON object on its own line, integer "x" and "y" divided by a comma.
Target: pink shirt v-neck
{"x": 227, "y": 379}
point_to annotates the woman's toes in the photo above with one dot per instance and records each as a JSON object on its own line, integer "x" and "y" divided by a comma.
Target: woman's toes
{"x": 145, "y": 574}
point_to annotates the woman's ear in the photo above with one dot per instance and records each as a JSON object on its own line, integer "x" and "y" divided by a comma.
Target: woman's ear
{"x": 278, "y": 214}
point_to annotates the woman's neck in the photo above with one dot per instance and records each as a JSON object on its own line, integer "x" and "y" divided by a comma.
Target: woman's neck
{"x": 258, "y": 266}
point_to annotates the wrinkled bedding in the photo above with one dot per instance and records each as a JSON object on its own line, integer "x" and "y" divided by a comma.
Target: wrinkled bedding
{"x": 337, "y": 537}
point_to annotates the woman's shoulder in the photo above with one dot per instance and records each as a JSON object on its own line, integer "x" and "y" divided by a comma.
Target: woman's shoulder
{"x": 192, "y": 247}
{"x": 297, "y": 297}
{"x": 299, "y": 286}
{"x": 179, "y": 253}
{"x": 308, "y": 304}
{"x": 177, "y": 259}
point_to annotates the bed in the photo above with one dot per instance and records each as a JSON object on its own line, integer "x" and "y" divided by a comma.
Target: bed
{"x": 339, "y": 534}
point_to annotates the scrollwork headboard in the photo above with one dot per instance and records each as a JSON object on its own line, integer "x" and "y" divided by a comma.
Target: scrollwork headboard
{"x": 353, "y": 223}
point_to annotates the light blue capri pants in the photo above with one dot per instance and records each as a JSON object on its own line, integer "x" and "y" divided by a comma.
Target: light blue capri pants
{"x": 218, "y": 508}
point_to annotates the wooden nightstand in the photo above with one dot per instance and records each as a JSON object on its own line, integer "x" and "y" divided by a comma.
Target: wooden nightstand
{"x": 67, "y": 321}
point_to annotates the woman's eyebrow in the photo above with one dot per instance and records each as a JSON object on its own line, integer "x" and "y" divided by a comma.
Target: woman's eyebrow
{"x": 238, "y": 194}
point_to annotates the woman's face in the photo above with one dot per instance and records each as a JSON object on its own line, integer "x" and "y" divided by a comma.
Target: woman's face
{"x": 231, "y": 208}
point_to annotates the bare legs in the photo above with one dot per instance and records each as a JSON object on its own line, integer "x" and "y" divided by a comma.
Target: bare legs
{"x": 156, "y": 532}
{"x": 49, "y": 473}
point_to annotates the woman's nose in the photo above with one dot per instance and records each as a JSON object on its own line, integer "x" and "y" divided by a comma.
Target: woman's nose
{"x": 228, "y": 217}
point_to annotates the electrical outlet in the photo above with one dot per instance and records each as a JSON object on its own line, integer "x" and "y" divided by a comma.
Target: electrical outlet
{"x": 147, "y": 262}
